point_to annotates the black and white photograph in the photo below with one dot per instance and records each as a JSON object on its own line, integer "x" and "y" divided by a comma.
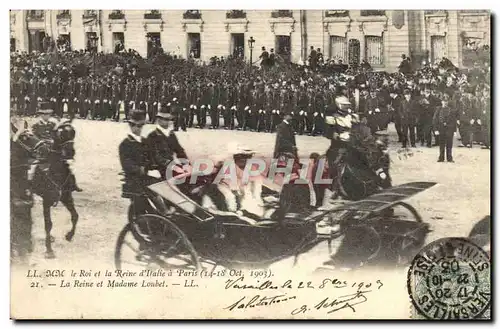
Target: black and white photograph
{"x": 250, "y": 164}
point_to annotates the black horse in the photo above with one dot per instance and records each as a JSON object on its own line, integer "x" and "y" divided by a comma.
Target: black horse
{"x": 51, "y": 177}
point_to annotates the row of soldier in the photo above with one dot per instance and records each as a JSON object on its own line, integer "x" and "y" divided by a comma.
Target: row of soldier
{"x": 251, "y": 106}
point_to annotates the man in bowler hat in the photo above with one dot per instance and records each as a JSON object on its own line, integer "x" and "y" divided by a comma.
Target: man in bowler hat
{"x": 163, "y": 143}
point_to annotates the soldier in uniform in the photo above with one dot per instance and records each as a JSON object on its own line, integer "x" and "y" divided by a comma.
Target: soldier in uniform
{"x": 427, "y": 107}
{"x": 445, "y": 125}
{"x": 163, "y": 144}
{"x": 372, "y": 111}
{"x": 152, "y": 99}
{"x": 465, "y": 108}
{"x": 134, "y": 159}
{"x": 394, "y": 104}
{"x": 43, "y": 127}
{"x": 485, "y": 119}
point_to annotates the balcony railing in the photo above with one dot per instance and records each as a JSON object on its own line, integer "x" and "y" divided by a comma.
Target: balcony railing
{"x": 64, "y": 15}
{"x": 117, "y": 15}
{"x": 89, "y": 14}
{"x": 153, "y": 14}
{"x": 282, "y": 14}
{"x": 236, "y": 14}
{"x": 337, "y": 13}
{"x": 36, "y": 15}
{"x": 435, "y": 12}
{"x": 372, "y": 12}
{"x": 192, "y": 14}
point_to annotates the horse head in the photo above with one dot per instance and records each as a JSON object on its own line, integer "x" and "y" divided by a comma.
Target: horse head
{"x": 64, "y": 136}
{"x": 38, "y": 148}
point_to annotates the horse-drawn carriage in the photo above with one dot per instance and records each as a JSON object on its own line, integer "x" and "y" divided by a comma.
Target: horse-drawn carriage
{"x": 177, "y": 232}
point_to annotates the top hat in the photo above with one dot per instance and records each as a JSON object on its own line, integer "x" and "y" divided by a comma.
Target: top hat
{"x": 164, "y": 113}
{"x": 45, "y": 108}
{"x": 137, "y": 117}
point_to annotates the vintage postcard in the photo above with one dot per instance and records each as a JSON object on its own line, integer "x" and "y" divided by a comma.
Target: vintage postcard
{"x": 250, "y": 164}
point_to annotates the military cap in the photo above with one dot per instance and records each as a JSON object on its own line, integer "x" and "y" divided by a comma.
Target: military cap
{"x": 45, "y": 108}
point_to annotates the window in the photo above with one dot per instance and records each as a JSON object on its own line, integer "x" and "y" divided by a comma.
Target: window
{"x": 354, "y": 51}
{"x": 154, "y": 43}
{"x": 337, "y": 13}
{"x": 281, "y": 13}
{"x": 194, "y": 45}
{"x": 91, "y": 41}
{"x": 236, "y": 14}
{"x": 192, "y": 14}
{"x": 374, "y": 50}
{"x": 438, "y": 47}
{"x": 63, "y": 42}
{"x": 238, "y": 45}
{"x": 118, "y": 42}
{"x": 152, "y": 14}
{"x": 116, "y": 14}
{"x": 372, "y": 12}
{"x": 284, "y": 47}
{"x": 36, "y": 40}
{"x": 12, "y": 44}
{"x": 338, "y": 48}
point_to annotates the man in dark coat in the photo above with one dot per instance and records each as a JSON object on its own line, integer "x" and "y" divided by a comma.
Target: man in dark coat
{"x": 163, "y": 144}
{"x": 285, "y": 138}
{"x": 408, "y": 112}
{"x": 21, "y": 198}
{"x": 134, "y": 159}
{"x": 264, "y": 58}
{"x": 445, "y": 125}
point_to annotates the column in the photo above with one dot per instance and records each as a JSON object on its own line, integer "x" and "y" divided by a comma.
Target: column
{"x": 453, "y": 42}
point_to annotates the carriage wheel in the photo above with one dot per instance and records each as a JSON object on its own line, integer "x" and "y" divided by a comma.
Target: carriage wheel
{"x": 406, "y": 246}
{"x": 360, "y": 244}
{"x": 152, "y": 242}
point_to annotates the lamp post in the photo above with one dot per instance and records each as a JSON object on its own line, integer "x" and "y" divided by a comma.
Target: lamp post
{"x": 251, "y": 41}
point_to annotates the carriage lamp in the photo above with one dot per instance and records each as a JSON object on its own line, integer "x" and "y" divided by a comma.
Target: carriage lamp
{"x": 251, "y": 41}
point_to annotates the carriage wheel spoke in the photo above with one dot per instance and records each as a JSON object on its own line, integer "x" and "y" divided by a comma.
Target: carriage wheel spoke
{"x": 172, "y": 248}
{"x": 149, "y": 228}
{"x": 128, "y": 244}
{"x": 187, "y": 259}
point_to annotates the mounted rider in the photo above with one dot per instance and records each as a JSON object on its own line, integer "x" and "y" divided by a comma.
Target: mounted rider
{"x": 348, "y": 134}
{"x": 44, "y": 129}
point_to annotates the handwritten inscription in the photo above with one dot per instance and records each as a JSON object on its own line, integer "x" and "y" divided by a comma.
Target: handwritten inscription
{"x": 241, "y": 283}
{"x": 334, "y": 304}
{"x": 257, "y": 300}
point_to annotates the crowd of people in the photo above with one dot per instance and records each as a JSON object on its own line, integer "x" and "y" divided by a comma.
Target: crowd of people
{"x": 230, "y": 94}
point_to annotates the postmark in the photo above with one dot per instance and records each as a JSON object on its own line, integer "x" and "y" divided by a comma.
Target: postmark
{"x": 450, "y": 279}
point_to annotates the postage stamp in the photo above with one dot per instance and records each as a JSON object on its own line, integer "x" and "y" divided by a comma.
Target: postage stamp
{"x": 450, "y": 279}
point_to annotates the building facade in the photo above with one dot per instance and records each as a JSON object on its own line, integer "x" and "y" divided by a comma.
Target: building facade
{"x": 378, "y": 36}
